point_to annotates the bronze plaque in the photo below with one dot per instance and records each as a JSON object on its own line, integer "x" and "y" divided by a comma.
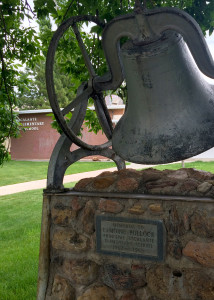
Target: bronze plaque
{"x": 129, "y": 237}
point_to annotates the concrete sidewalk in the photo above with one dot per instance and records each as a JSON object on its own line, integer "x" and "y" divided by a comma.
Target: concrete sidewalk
{"x": 41, "y": 184}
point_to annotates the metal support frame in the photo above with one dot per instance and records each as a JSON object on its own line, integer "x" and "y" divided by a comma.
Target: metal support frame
{"x": 62, "y": 157}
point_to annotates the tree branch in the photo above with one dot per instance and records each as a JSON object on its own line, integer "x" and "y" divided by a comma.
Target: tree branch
{"x": 69, "y": 6}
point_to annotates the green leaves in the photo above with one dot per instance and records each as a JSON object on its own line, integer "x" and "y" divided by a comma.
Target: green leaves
{"x": 91, "y": 121}
{"x": 44, "y": 7}
{"x": 18, "y": 46}
{"x": 32, "y": 93}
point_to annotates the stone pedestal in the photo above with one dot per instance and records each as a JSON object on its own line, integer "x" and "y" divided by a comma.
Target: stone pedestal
{"x": 73, "y": 268}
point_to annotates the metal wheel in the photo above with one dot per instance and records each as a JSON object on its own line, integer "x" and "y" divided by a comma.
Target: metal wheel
{"x": 88, "y": 92}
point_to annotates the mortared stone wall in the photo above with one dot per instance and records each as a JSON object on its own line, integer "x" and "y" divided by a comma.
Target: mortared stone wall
{"x": 182, "y": 200}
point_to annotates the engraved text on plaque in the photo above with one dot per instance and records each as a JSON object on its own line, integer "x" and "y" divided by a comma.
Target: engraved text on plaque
{"x": 130, "y": 237}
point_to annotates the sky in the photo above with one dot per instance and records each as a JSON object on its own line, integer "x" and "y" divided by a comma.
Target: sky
{"x": 210, "y": 42}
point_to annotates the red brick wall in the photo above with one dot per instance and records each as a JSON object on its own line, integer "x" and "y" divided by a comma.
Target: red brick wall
{"x": 39, "y": 139}
{"x": 37, "y": 143}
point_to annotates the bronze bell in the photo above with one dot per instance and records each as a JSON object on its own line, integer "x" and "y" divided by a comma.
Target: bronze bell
{"x": 170, "y": 111}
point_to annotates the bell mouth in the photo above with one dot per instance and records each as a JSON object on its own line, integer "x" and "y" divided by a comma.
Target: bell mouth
{"x": 151, "y": 47}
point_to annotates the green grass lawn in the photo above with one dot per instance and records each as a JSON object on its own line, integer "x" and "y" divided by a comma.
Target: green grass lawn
{"x": 20, "y": 223}
{"x": 199, "y": 165}
{"x": 22, "y": 171}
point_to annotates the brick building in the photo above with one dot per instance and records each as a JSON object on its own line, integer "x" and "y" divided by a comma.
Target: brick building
{"x": 39, "y": 138}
